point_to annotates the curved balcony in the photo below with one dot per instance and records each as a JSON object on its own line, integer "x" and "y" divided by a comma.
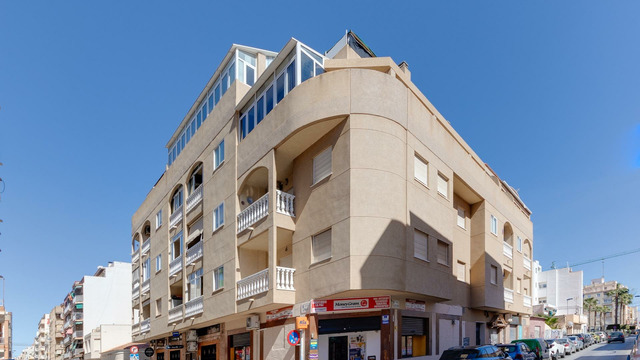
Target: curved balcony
{"x": 146, "y": 245}
{"x": 145, "y": 326}
{"x": 527, "y": 263}
{"x": 194, "y": 253}
{"x": 508, "y": 295}
{"x": 175, "y": 265}
{"x": 145, "y": 286}
{"x": 194, "y": 307}
{"x": 260, "y": 208}
{"x": 175, "y": 314}
{"x": 526, "y": 301}
{"x": 507, "y": 250}
{"x": 259, "y": 282}
{"x": 175, "y": 217}
{"x": 194, "y": 199}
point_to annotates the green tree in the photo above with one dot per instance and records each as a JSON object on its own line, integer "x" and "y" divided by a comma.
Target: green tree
{"x": 603, "y": 310}
{"x": 590, "y": 304}
{"x": 551, "y": 321}
{"x": 619, "y": 290}
{"x": 626, "y": 298}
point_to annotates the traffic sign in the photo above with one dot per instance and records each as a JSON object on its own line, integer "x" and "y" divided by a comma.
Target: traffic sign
{"x": 134, "y": 350}
{"x": 293, "y": 338}
{"x": 149, "y": 352}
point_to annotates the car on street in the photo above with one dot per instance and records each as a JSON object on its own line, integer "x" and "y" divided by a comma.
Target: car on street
{"x": 556, "y": 349}
{"x": 474, "y": 352}
{"x": 576, "y": 340}
{"x": 538, "y": 346}
{"x": 569, "y": 347}
{"x": 603, "y": 336}
{"x": 518, "y": 351}
{"x": 615, "y": 336}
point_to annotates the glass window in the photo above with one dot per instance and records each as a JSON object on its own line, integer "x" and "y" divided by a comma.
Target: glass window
{"x": 269, "y": 60}
{"x": 322, "y": 165}
{"x": 307, "y": 67}
{"x": 232, "y": 73}
{"x": 218, "y": 216}
{"x": 225, "y": 82}
{"x": 217, "y": 94}
{"x": 494, "y": 225}
{"x": 269, "y": 96}
{"x": 176, "y": 246}
{"x": 461, "y": 217}
{"x": 198, "y": 123}
{"x": 194, "y": 288}
{"x": 494, "y": 274}
{"x": 260, "y": 110}
{"x": 158, "y": 262}
{"x": 291, "y": 76}
{"x": 159, "y": 218}
{"x": 218, "y": 155}
{"x": 251, "y": 74}
{"x": 443, "y": 253}
{"x": 243, "y": 128}
{"x": 420, "y": 245}
{"x": 146, "y": 269}
{"x": 519, "y": 244}
{"x": 251, "y": 120}
{"x": 241, "y": 68}
{"x": 210, "y": 100}
{"x": 176, "y": 201}
{"x": 280, "y": 88}
{"x": 319, "y": 69}
{"x": 321, "y": 246}
{"x": 218, "y": 278}
{"x": 420, "y": 170}
{"x": 443, "y": 185}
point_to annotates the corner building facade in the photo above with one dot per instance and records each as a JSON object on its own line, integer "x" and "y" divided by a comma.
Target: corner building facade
{"x": 326, "y": 187}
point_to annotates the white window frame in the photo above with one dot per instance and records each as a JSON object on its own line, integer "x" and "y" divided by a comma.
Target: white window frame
{"x": 443, "y": 181}
{"x": 158, "y": 262}
{"x": 461, "y": 271}
{"x": 318, "y": 177}
{"x": 218, "y": 216}
{"x": 519, "y": 244}
{"x": 316, "y": 239}
{"x": 158, "y": 219}
{"x": 494, "y": 275}
{"x": 418, "y": 165}
{"x": 177, "y": 238}
{"x": 494, "y": 225}
{"x": 218, "y": 278}
{"x": 461, "y": 221}
{"x": 146, "y": 269}
{"x": 195, "y": 287}
{"x": 447, "y": 255}
{"x": 419, "y": 236}
{"x": 218, "y": 155}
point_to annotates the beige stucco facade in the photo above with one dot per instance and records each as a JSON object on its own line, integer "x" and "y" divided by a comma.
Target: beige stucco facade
{"x": 444, "y": 248}
{"x": 5, "y": 333}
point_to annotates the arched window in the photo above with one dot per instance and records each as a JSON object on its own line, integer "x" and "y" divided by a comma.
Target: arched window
{"x": 176, "y": 200}
{"x": 195, "y": 180}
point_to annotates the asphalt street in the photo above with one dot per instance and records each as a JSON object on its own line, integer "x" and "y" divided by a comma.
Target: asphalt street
{"x": 604, "y": 351}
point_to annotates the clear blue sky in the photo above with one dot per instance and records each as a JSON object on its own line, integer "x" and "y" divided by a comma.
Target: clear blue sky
{"x": 546, "y": 92}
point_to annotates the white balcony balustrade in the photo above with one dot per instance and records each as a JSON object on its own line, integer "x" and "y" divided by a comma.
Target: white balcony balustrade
{"x": 145, "y": 326}
{"x": 135, "y": 256}
{"x": 175, "y": 314}
{"x": 284, "y": 278}
{"x": 145, "y": 286}
{"x": 508, "y": 295}
{"x": 193, "y": 307}
{"x": 135, "y": 293}
{"x": 284, "y": 203}
{"x": 507, "y": 250}
{"x": 254, "y": 212}
{"x": 135, "y": 329}
{"x": 194, "y": 253}
{"x": 175, "y": 217}
{"x": 527, "y": 263}
{"x": 78, "y": 299}
{"x": 146, "y": 246}
{"x": 78, "y": 334}
{"x": 526, "y": 301}
{"x": 253, "y": 284}
{"x": 175, "y": 265}
{"x": 194, "y": 199}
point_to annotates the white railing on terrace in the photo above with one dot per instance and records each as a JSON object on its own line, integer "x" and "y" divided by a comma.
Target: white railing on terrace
{"x": 194, "y": 253}
{"x": 284, "y": 203}
{"x": 78, "y": 334}
{"x": 146, "y": 245}
{"x": 145, "y": 286}
{"x": 193, "y": 307}
{"x": 145, "y": 325}
{"x": 507, "y": 250}
{"x": 135, "y": 328}
{"x": 78, "y": 299}
{"x": 527, "y": 301}
{"x": 194, "y": 199}
{"x": 175, "y": 313}
{"x": 254, "y": 212}
{"x": 67, "y": 323}
{"x": 2, "y": 341}
{"x": 67, "y": 307}
{"x": 253, "y": 284}
{"x": 175, "y": 265}
{"x": 284, "y": 278}
{"x": 175, "y": 217}
{"x": 527, "y": 263}
{"x": 135, "y": 293}
{"x": 66, "y": 355}
{"x": 135, "y": 256}
{"x": 508, "y": 295}
{"x": 67, "y": 339}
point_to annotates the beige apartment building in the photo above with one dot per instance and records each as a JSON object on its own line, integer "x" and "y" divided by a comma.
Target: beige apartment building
{"x": 599, "y": 289}
{"x": 6, "y": 326}
{"x": 327, "y": 188}
{"x": 55, "y": 347}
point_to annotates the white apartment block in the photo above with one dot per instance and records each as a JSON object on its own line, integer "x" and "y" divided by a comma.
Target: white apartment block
{"x": 562, "y": 289}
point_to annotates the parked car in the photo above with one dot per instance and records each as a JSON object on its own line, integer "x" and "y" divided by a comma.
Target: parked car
{"x": 615, "y": 336}
{"x": 569, "y": 347}
{"x": 603, "y": 336}
{"x": 576, "y": 340}
{"x": 555, "y": 348}
{"x": 518, "y": 351}
{"x": 474, "y": 352}
{"x": 585, "y": 342}
{"x": 538, "y": 346}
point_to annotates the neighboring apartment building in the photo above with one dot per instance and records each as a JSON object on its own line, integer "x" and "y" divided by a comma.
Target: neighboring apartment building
{"x": 326, "y": 187}
{"x": 40, "y": 343}
{"x": 28, "y": 353}
{"x": 104, "y": 298}
{"x": 562, "y": 289}
{"x": 5, "y": 333}
{"x": 598, "y": 289}
{"x": 55, "y": 347}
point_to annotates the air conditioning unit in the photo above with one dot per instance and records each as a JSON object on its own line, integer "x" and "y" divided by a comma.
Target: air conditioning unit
{"x": 253, "y": 322}
{"x": 192, "y": 335}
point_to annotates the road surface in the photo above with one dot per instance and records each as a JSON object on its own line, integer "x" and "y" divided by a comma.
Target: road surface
{"x": 604, "y": 351}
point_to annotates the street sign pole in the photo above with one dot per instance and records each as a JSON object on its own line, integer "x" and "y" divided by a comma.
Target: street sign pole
{"x": 302, "y": 354}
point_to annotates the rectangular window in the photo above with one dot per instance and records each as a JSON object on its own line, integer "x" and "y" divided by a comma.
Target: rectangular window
{"x": 158, "y": 263}
{"x": 218, "y": 278}
{"x": 210, "y": 101}
{"x": 443, "y": 185}
{"x": 250, "y": 120}
{"x": 260, "y": 110}
{"x": 194, "y": 287}
{"x": 461, "y": 219}
{"x": 158, "y": 307}
{"x": 494, "y": 225}
{"x": 443, "y": 253}
{"x": 518, "y": 285}
{"x": 420, "y": 170}
{"x": 494, "y": 274}
{"x": 291, "y": 76}
{"x": 269, "y": 96}
{"x": 322, "y": 165}
{"x": 158, "y": 219}
{"x": 218, "y": 216}
{"x": 218, "y": 155}
{"x": 280, "y": 88}
{"x": 461, "y": 271}
{"x": 176, "y": 246}
{"x": 420, "y": 245}
{"x": 519, "y": 244}
{"x": 146, "y": 269}
{"x": 217, "y": 94}
{"x": 243, "y": 127}
{"x": 321, "y": 246}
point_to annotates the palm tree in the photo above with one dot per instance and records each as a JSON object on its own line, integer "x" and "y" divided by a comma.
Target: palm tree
{"x": 619, "y": 290}
{"x": 626, "y": 298}
{"x": 551, "y": 321}
{"x": 590, "y": 304}
{"x": 602, "y": 309}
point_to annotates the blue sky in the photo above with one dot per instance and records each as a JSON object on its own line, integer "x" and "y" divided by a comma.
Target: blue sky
{"x": 546, "y": 92}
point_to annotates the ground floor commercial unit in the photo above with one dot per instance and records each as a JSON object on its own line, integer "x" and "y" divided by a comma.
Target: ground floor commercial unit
{"x": 380, "y": 327}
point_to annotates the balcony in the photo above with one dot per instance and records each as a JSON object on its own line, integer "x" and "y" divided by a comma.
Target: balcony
{"x": 67, "y": 355}
{"x": 146, "y": 245}
{"x": 135, "y": 292}
{"x": 507, "y": 250}
{"x": 77, "y": 316}
{"x": 145, "y": 286}
{"x": 259, "y": 282}
{"x": 135, "y": 256}
{"x": 194, "y": 199}
{"x": 66, "y": 340}
{"x": 175, "y": 314}
{"x": 68, "y": 307}
{"x": 175, "y": 217}
{"x": 77, "y": 334}
{"x": 527, "y": 263}
{"x": 526, "y": 301}
{"x": 67, "y": 324}
{"x": 78, "y": 352}
{"x": 260, "y": 208}
{"x": 78, "y": 299}
{"x": 194, "y": 253}
{"x": 193, "y": 307}
{"x": 175, "y": 265}
{"x": 145, "y": 326}
{"x": 508, "y": 295}
{"x": 135, "y": 329}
